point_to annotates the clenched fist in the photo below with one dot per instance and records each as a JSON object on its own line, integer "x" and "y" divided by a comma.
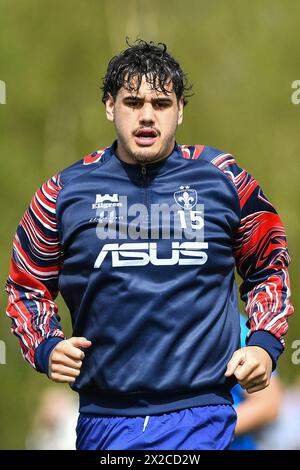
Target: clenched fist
{"x": 252, "y": 367}
{"x": 65, "y": 360}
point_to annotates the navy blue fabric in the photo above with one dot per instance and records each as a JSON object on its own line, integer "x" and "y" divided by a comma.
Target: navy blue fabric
{"x": 268, "y": 342}
{"x": 43, "y": 352}
{"x": 151, "y": 333}
{"x": 162, "y": 334}
{"x": 199, "y": 428}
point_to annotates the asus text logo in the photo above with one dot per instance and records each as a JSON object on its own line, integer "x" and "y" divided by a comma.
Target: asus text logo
{"x": 141, "y": 254}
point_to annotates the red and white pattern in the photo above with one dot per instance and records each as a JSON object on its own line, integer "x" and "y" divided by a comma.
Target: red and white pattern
{"x": 93, "y": 157}
{"x": 191, "y": 152}
{"x": 261, "y": 254}
{"x": 33, "y": 281}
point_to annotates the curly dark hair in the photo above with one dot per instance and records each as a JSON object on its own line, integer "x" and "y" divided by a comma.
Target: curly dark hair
{"x": 145, "y": 59}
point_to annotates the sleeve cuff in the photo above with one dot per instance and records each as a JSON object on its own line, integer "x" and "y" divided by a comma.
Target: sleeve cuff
{"x": 43, "y": 352}
{"x": 268, "y": 342}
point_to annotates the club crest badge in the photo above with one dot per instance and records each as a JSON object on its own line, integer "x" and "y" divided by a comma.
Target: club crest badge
{"x": 186, "y": 198}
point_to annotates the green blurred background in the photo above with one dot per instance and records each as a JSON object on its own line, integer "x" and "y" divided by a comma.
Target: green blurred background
{"x": 241, "y": 57}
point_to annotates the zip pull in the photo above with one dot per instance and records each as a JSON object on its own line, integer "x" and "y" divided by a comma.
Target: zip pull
{"x": 144, "y": 170}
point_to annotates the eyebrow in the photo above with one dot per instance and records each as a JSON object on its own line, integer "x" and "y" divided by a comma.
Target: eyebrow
{"x": 153, "y": 100}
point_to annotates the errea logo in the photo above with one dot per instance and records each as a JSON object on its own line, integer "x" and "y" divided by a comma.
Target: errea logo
{"x": 106, "y": 201}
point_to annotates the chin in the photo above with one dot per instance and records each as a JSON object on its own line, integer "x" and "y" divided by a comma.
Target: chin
{"x": 145, "y": 155}
{"x": 145, "y": 158}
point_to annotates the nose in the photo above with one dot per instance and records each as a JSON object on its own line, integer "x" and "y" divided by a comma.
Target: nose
{"x": 147, "y": 115}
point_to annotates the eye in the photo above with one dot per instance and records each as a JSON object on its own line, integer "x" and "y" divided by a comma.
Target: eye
{"x": 162, "y": 104}
{"x": 133, "y": 103}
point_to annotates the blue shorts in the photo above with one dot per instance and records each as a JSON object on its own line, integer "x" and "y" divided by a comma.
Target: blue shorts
{"x": 197, "y": 428}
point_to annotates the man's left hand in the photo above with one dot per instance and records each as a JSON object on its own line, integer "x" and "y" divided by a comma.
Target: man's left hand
{"x": 252, "y": 366}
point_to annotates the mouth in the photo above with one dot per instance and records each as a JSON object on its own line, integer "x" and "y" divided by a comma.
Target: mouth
{"x": 145, "y": 136}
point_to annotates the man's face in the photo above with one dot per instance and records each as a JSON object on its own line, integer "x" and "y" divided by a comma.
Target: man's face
{"x": 145, "y": 122}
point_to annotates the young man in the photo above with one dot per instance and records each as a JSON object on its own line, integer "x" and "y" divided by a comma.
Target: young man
{"x": 142, "y": 239}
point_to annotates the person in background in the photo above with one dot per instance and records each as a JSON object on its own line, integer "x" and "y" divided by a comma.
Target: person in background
{"x": 284, "y": 433}
{"x": 54, "y": 421}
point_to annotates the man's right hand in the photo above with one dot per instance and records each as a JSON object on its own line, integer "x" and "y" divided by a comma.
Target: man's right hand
{"x": 65, "y": 360}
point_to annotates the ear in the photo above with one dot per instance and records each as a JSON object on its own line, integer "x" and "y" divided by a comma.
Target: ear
{"x": 110, "y": 108}
{"x": 180, "y": 111}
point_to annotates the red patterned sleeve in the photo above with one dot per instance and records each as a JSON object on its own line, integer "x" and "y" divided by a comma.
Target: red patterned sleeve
{"x": 32, "y": 285}
{"x": 262, "y": 258}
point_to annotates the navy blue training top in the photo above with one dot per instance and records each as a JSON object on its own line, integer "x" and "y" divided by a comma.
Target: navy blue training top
{"x": 144, "y": 257}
